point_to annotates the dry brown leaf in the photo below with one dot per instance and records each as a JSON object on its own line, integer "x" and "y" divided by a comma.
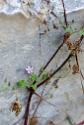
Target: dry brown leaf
{"x": 69, "y": 44}
{"x": 33, "y": 121}
{"x": 55, "y": 27}
{"x": 66, "y": 36}
{"x": 46, "y": 31}
{"x": 48, "y": 1}
{"x": 48, "y": 82}
{"x": 75, "y": 47}
{"x": 75, "y": 69}
{"x": 45, "y": 22}
{"x": 50, "y": 123}
{"x": 16, "y": 106}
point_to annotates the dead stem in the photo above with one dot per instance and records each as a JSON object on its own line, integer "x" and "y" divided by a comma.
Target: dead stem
{"x": 81, "y": 83}
{"x": 43, "y": 99}
{"x": 81, "y": 38}
{"x": 39, "y": 101}
{"x": 81, "y": 75}
{"x": 77, "y": 60}
{"x": 57, "y": 107}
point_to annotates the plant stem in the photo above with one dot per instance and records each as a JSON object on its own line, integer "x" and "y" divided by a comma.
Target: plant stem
{"x": 39, "y": 101}
{"x": 53, "y": 55}
{"x": 44, "y": 99}
{"x": 81, "y": 38}
{"x": 65, "y": 16}
{"x": 32, "y": 91}
{"x": 70, "y": 55}
{"x": 30, "y": 95}
{"x": 82, "y": 75}
{"x": 77, "y": 60}
{"x": 27, "y": 108}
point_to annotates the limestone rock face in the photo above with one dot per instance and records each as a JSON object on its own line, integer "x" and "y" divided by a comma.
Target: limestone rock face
{"x": 42, "y": 9}
{"x": 21, "y": 45}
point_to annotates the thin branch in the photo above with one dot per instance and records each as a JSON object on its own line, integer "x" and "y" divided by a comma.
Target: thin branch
{"x": 77, "y": 60}
{"x": 70, "y": 119}
{"x": 53, "y": 55}
{"x": 81, "y": 38}
{"x": 30, "y": 96}
{"x": 39, "y": 101}
{"x": 41, "y": 98}
{"x": 27, "y": 108}
{"x": 55, "y": 71}
{"x": 81, "y": 75}
{"x": 32, "y": 91}
{"x": 81, "y": 83}
{"x": 37, "y": 108}
{"x": 44, "y": 99}
{"x": 65, "y": 15}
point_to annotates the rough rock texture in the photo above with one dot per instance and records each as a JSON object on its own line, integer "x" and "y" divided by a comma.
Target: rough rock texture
{"x": 39, "y": 8}
{"x": 20, "y": 46}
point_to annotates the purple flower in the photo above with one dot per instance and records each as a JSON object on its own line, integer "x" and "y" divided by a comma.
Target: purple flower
{"x": 29, "y": 70}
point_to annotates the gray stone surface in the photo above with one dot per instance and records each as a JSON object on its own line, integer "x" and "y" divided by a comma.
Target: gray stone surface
{"x": 20, "y": 46}
{"x": 39, "y": 8}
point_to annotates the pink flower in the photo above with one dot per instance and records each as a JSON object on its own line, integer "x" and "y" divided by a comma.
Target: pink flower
{"x": 29, "y": 70}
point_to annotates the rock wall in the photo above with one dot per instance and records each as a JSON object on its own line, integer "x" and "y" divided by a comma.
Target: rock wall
{"x": 20, "y": 46}
{"x": 40, "y": 8}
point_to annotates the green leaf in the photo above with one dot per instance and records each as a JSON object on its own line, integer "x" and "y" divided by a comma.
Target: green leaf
{"x": 44, "y": 76}
{"x": 9, "y": 84}
{"x": 38, "y": 79}
{"x": 60, "y": 22}
{"x": 13, "y": 88}
{"x": 5, "y": 80}
{"x": 34, "y": 86}
{"x": 35, "y": 78}
{"x": 69, "y": 30}
{"x": 81, "y": 32}
{"x": 51, "y": 96}
{"x": 42, "y": 69}
{"x": 4, "y": 89}
{"x": 73, "y": 21}
{"x": 22, "y": 83}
